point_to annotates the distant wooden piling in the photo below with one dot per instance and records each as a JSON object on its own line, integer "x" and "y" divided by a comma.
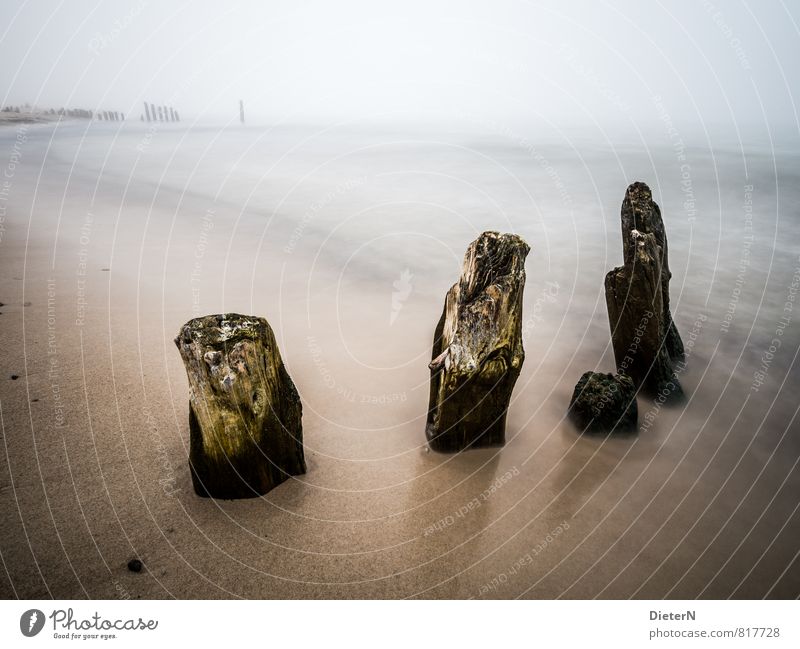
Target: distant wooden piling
{"x": 147, "y": 111}
{"x": 241, "y": 111}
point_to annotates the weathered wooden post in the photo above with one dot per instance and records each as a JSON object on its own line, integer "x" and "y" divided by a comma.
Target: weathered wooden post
{"x": 241, "y": 111}
{"x": 641, "y": 213}
{"x": 171, "y": 114}
{"x": 147, "y": 111}
{"x": 245, "y": 425}
{"x": 177, "y": 117}
{"x": 477, "y": 347}
{"x": 637, "y": 296}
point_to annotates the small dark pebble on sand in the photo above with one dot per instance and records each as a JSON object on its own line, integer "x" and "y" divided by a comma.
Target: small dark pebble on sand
{"x": 14, "y": 377}
{"x": 105, "y": 269}
{"x": 34, "y": 400}
{"x": 26, "y": 303}
{"x": 134, "y": 565}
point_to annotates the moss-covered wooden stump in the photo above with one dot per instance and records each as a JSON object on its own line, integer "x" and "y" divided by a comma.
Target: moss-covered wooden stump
{"x": 637, "y": 296}
{"x": 477, "y": 347}
{"x": 245, "y": 427}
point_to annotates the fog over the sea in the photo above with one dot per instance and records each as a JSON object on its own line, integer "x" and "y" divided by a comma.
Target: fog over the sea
{"x": 579, "y": 63}
{"x": 380, "y": 140}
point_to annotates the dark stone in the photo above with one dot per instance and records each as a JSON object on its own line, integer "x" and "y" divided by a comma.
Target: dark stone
{"x": 477, "y": 348}
{"x": 134, "y": 565}
{"x": 14, "y": 377}
{"x": 604, "y": 403}
{"x": 245, "y": 428}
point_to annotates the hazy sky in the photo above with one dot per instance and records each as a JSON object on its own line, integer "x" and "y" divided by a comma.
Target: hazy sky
{"x": 567, "y": 62}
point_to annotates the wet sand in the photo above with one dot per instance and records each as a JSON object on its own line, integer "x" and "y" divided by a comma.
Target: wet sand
{"x": 108, "y": 249}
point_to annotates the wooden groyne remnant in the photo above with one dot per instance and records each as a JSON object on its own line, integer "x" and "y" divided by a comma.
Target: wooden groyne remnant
{"x": 644, "y": 336}
{"x": 153, "y": 113}
{"x": 245, "y": 416}
{"x": 109, "y": 116}
{"x": 477, "y": 348}
{"x": 645, "y": 339}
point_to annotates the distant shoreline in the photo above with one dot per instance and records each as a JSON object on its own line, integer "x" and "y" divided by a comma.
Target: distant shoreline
{"x": 14, "y": 119}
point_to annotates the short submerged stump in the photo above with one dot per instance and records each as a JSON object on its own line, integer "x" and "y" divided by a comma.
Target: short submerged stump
{"x": 604, "y": 403}
{"x": 245, "y": 416}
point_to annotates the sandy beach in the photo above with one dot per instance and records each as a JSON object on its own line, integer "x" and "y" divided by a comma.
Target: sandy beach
{"x": 115, "y": 235}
